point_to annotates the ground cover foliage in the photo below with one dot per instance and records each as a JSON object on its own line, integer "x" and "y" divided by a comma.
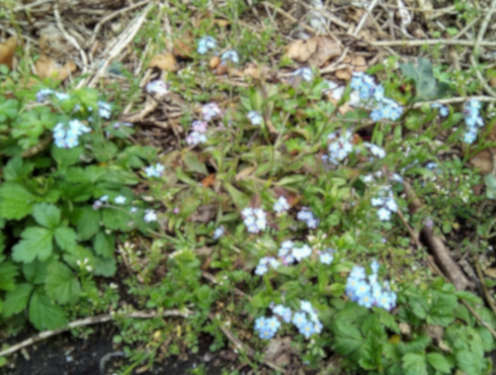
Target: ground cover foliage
{"x": 309, "y": 185}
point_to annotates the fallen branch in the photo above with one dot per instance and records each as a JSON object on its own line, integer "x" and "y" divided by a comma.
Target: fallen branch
{"x": 90, "y": 321}
{"x": 430, "y": 42}
{"x": 441, "y": 254}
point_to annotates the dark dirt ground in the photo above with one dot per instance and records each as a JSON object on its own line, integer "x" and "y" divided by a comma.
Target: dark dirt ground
{"x": 96, "y": 355}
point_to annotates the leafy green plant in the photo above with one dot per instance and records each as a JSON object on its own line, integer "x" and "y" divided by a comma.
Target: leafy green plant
{"x": 56, "y": 226}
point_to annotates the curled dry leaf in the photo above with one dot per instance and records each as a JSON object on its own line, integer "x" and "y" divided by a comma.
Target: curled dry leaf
{"x": 46, "y": 67}
{"x": 483, "y": 161}
{"x": 7, "y": 50}
{"x": 164, "y": 61}
{"x": 315, "y": 51}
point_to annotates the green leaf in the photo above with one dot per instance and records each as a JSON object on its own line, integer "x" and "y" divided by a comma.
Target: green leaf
{"x": 194, "y": 164}
{"x": 17, "y": 300}
{"x": 65, "y": 238}
{"x": 36, "y": 271}
{"x": 36, "y": 243}
{"x": 104, "y": 245}
{"x": 44, "y": 314}
{"x": 439, "y": 362}
{"x": 117, "y": 219}
{"x": 61, "y": 284}
{"x": 8, "y": 273}
{"x": 414, "y": 364}
{"x": 46, "y": 215}
{"x": 105, "y": 266}
{"x": 15, "y": 201}
{"x": 87, "y": 221}
{"x": 469, "y": 362}
{"x": 239, "y": 199}
{"x": 65, "y": 157}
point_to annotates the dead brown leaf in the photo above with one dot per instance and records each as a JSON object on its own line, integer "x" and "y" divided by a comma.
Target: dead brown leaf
{"x": 222, "y": 22}
{"x": 483, "y": 161}
{"x": 214, "y": 62}
{"x": 46, "y": 67}
{"x": 183, "y": 47}
{"x": 164, "y": 61}
{"x": 344, "y": 74}
{"x": 316, "y": 51}
{"x": 209, "y": 180}
{"x": 7, "y": 50}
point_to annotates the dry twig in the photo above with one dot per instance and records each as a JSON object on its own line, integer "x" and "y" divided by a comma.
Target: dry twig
{"x": 90, "y": 321}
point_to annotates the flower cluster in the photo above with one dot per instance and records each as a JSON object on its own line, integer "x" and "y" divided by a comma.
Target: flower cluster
{"x": 255, "y": 118}
{"x": 230, "y": 56}
{"x": 473, "y": 120}
{"x": 198, "y": 135}
{"x": 255, "y": 219}
{"x": 386, "y": 203}
{"x": 367, "y": 291}
{"x": 154, "y": 170}
{"x": 267, "y": 327}
{"x": 264, "y": 264}
{"x": 281, "y": 205}
{"x": 373, "y": 95}
{"x": 205, "y": 44}
{"x": 67, "y": 135}
{"x": 210, "y": 111}
{"x": 340, "y": 147}
{"x": 305, "y": 320}
{"x": 104, "y": 109}
{"x": 307, "y": 217}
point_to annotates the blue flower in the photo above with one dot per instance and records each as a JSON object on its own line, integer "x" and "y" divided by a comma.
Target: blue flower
{"x": 157, "y": 87}
{"x": 281, "y": 205}
{"x": 67, "y": 135}
{"x": 219, "y": 232}
{"x": 267, "y": 327}
{"x": 230, "y": 55}
{"x": 205, "y": 44}
{"x": 154, "y": 170}
{"x": 283, "y": 311}
{"x": 326, "y": 257}
{"x": 255, "y": 118}
{"x": 43, "y": 94}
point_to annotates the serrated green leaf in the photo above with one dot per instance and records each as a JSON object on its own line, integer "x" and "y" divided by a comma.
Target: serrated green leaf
{"x": 44, "y": 314}
{"x": 117, "y": 219}
{"x": 414, "y": 364}
{"x": 65, "y": 157}
{"x": 439, "y": 362}
{"x": 17, "y": 300}
{"x": 65, "y": 238}
{"x": 36, "y": 243}
{"x": 8, "y": 273}
{"x": 104, "y": 245}
{"x": 36, "y": 271}
{"x": 469, "y": 362}
{"x": 61, "y": 284}
{"x": 15, "y": 201}
{"x": 46, "y": 215}
{"x": 87, "y": 221}
{"x": 104, "y": 266}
